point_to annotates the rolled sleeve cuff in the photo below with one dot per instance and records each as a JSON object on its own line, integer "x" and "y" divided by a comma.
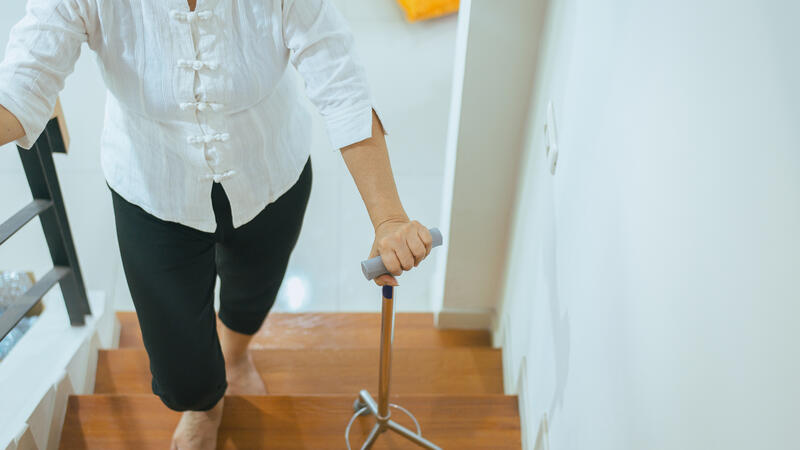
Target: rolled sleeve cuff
{"x": 352, "y": 126}
{"x": 29, "y": 119}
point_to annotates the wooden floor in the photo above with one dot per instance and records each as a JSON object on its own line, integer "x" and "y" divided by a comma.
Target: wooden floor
{"x": 313, "y": 366}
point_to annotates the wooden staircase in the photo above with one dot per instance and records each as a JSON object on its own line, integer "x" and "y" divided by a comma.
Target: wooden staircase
{"x": 314, "y": 365}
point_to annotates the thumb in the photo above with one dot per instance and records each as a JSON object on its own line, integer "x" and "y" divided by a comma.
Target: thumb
{"x": 374, "y": 250}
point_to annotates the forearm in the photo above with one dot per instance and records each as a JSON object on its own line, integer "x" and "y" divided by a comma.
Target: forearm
{"x": 368, "y": 163}
{"x": 10, "y": 128}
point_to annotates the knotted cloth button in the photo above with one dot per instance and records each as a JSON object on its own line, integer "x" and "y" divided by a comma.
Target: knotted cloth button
{"x": 200, "y": 106}
{"x": 219, "y": 176}
{"x": 190, "y": 16}
{"x": 197, "y": 64}
{"x": 208, "y": 138}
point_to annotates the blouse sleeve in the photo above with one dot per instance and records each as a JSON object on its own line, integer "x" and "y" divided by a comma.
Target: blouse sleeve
{"x": 42, "y": 50}
{"x": 321, "y": 48}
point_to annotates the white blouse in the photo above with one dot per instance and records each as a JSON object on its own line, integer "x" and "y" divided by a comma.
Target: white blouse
{"x": 195, "y": 96}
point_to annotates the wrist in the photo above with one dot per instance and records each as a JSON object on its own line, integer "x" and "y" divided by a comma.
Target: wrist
{"x": 399, "y": 217}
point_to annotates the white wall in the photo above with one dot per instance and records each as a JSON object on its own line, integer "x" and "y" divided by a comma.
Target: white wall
{"x": 410, "y": 70}
{"x": 652, "y": 293}
{"x": 495, "y": 62}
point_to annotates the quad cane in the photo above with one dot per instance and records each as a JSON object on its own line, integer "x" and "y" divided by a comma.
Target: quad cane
{"x": 365, "y": 404}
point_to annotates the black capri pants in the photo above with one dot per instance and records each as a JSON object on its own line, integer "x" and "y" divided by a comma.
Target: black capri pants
{"x": 171, "y": 271}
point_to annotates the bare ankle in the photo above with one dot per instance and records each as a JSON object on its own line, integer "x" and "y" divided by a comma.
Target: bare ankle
{"x": 216, "y": 412}
{"x": 234, "y": 346}
{"x": 197, "y": 430}
{"x": 213, "y": 414}
{"x": 237, "y": 360}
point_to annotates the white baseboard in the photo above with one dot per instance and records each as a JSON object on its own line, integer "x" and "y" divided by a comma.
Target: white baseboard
{"x": 521, "y": 385}
{"x": 464, "y": 319}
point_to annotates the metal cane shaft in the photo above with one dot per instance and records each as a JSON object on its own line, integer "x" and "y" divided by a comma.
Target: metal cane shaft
{"x": 387, "y": 337}
{"x": 380, "y": 409}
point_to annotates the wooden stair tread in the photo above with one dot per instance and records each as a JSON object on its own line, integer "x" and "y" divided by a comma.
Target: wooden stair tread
{"x": 337, "y": 330}
{"x": 457, "y": 370}
{"x": 111, "y": 422}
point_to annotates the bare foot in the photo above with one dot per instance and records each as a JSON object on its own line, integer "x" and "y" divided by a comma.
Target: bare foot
{"x": 243, "y": 377}
{"x": 197, "y": 430}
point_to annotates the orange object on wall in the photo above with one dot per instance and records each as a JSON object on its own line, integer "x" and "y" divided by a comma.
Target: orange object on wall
{"x": 427, "y": 9}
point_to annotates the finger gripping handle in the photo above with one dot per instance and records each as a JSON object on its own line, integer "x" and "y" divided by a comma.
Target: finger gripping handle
{"x": 373, "y": 267}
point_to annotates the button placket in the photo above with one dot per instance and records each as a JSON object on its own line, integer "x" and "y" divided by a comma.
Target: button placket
{"x": 208, "y": 141}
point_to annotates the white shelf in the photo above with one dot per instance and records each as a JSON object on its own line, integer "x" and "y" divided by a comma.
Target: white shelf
{"x": 50, "y": 362}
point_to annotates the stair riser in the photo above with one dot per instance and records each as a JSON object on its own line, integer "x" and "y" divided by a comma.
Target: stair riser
{"x": 279, "y": 422}
{"x": 337, "y": 330}
{"x": 479, "y": 371}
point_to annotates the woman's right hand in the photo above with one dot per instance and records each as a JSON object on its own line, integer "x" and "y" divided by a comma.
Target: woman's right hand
{"x": 10, "y": 128}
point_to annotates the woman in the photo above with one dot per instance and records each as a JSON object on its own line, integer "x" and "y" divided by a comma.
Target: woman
{"x": 202, "y": 92}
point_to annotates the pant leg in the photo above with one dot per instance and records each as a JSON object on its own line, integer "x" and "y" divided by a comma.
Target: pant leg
{"x": 171, "y": 274}
{"x": 252, "y": 259}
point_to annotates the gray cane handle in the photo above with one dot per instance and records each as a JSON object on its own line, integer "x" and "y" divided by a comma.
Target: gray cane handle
{"x": 373, "y": 267}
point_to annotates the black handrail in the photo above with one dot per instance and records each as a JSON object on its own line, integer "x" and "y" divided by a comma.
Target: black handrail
{"x": 48, "y": 205}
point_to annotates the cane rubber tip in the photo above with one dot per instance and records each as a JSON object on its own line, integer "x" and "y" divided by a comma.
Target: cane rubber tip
{"x": 388, "y": 291}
